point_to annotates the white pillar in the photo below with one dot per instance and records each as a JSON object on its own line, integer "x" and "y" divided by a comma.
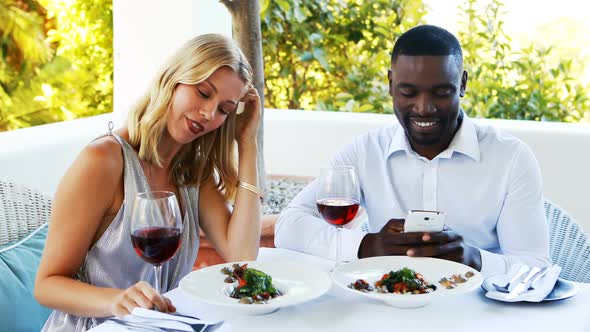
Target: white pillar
{"x": 146, "y": 32}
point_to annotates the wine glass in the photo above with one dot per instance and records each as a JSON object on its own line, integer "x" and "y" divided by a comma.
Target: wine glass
{"x": 337, "y": 198}
{"x": 156, "y": 227}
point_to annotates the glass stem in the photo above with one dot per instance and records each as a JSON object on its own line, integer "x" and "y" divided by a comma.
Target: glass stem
{"x": 338, "y": 246}
{"x": 158, "y": 278}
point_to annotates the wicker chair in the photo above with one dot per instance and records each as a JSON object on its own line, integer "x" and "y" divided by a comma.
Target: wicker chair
{"x": 569, "y": 245}
{"x": 22, "y": 210}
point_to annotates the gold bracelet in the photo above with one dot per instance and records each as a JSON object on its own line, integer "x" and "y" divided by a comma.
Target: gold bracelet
{"x": 251, "y": 188}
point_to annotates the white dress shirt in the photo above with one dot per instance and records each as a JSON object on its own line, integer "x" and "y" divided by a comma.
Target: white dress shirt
{"x": 487, "y": 182}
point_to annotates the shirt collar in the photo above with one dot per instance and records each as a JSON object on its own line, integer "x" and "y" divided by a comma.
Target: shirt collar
{"x": 399, "y": 142}
{"x": 464, "y": 142}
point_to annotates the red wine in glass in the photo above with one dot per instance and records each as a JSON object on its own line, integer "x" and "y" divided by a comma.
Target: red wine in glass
{"x": 156, "y": 245}
{"x": 337, "y": 198}
{"x": 156, "y": 229}
{"x": 338, "y": 211}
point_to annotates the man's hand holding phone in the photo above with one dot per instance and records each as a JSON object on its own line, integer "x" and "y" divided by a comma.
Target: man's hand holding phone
{"x": 424, "y": 221}
{"x": 393, "y": 240}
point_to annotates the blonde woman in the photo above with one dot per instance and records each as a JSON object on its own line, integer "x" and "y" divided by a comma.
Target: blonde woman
{"x": 179, "y": 138}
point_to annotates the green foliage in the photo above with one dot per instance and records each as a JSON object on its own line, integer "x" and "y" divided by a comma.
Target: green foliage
{"x": 332, "y": 54}
{"x": 534, "y": 83}
{"x": 56, "y": 61}
{"x": 23, "y": 34}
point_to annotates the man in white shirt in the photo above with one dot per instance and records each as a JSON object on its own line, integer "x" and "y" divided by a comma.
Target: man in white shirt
{"x": 433, "y": 158}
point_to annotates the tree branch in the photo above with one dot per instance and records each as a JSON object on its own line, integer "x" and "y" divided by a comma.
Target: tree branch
{"x": 229, "y": 4}
{"x": 246, "y": 31}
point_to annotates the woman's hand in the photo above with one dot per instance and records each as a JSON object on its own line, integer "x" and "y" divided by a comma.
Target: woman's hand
{"x": 140, "y": 295}
{"x": 247, "y": 121}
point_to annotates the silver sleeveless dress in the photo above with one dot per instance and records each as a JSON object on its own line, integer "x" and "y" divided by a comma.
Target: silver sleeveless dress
{"x": 112, "y": 261}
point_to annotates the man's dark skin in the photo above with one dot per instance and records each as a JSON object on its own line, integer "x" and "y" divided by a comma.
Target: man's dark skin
{"x": 425, "y": 89}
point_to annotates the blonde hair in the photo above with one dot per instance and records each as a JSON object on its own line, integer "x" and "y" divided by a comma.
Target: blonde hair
{"x": 211, "y": 155}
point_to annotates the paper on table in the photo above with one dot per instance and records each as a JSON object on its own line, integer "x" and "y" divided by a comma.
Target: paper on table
{"x": 541, "y": 287}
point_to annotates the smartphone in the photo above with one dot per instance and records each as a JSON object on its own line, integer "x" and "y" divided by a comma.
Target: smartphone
{"x": 425, "y": 221}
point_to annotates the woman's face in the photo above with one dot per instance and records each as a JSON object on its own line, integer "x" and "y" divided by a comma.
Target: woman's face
{"x": 202, "y": 108}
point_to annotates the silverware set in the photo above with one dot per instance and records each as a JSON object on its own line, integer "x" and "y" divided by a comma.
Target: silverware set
{"x": 523, "y": 281}
{"x": 141, "y": 323}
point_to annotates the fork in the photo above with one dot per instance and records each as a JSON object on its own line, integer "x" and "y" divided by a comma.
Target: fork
{"x": 513, "y": 281}
{"x": 539, "y": 275}
{"x": 525, "y": 284}
{"x": 197, "y": 327}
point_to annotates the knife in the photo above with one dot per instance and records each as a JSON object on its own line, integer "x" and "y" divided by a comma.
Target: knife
{"x": 523, "y": 286}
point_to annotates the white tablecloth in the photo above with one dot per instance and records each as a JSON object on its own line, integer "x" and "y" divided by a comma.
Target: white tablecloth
{"x": 339, "y": 311}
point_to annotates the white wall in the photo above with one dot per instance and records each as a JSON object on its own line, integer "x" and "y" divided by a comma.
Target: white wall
{"x": 146, "y": 32}
{"x": 39, "y": 156}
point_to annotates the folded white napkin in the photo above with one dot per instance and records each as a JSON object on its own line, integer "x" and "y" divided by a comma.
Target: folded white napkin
{"x": 541, "y": 287}
{"x": 160, "y": 319}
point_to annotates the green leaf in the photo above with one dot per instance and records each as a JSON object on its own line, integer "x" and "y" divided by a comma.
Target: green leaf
{"x": 299, "y": 14}
{"x": 319, "y": 55}
{"x": 315, "y": 37}
{"x": 306, "y": 57}
{"x": 284, "y": 5}
{"x": 264, "y": 7}
{"x": 365, "y": 108}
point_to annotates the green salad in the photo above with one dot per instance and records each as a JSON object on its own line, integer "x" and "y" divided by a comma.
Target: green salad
{"x": 404, "y": 281}
{"x": 253, "y": 286}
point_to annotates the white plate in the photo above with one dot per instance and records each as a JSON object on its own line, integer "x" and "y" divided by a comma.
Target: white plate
{"x": 433, "y": 269}
{"x": 298, "y": 283}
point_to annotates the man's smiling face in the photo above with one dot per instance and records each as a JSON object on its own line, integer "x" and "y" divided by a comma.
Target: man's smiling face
{"x": 426, "y": 92}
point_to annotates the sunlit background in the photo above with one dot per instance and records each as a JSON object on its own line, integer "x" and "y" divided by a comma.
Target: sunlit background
{"x": 562, "y": 24}
{"x": 528, "y": 60}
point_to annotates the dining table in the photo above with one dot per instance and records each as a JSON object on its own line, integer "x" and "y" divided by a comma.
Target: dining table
{"x": 339, "y": 311}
